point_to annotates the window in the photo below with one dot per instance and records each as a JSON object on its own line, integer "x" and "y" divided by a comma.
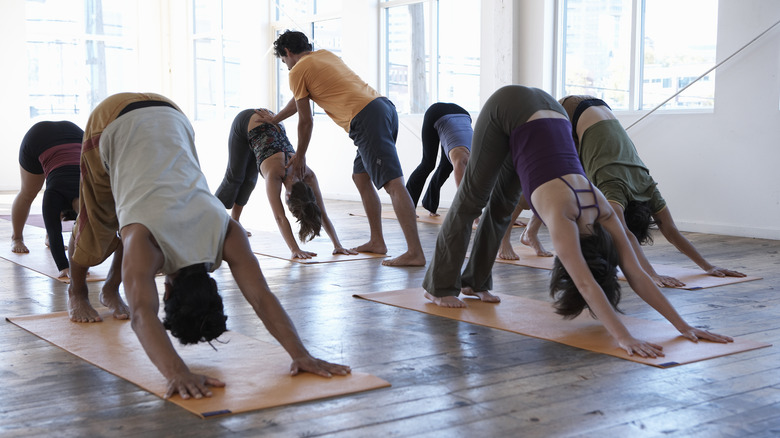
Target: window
{"x": 79, "y": 52}
{"x": 319, "y": 20}
{"x": 638, "y": 64}
{"x": 217, "y": 53}
{"x": 431, "y": 53}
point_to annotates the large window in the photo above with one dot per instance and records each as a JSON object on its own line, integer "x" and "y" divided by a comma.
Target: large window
{"x": 79, "y": 52}
{"x": 635, "y": 54}
{"x": 217, "y": 53}
{"x": 320, "y": 20}
{"x": 431, "y": 53}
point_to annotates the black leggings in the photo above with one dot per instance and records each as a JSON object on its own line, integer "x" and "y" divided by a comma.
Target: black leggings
{"x": 241, "y": 173}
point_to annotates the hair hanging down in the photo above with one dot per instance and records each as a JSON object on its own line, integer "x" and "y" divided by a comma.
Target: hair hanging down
{"x": 639, "y": 219}
{"x": 303, "y": 205}
{"x": 602, "y": 258}
{"x": 193, "y": 310}
{"x": 296, "y": 42}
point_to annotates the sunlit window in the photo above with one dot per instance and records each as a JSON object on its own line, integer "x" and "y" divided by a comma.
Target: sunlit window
{"x": 217, "y": 63}
{"x": 431, "y": 53}
{"x": 638, "y": 64}
{"x": 79, "y": 52}
{"x": 321, "y": 22}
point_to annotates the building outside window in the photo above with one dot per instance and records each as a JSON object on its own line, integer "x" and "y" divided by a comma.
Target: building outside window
{"x": 635, "y": 54}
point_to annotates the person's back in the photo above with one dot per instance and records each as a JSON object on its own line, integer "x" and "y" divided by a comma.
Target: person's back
{"x": 326, "y": 79}
{"x": 156, "y": 181}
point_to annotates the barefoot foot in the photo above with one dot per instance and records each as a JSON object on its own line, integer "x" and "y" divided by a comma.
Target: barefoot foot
{"x": 372, "y": 247}
{"x": 482, "y": 295}
{"x": 406, "y": 259}
{"x": 114, "y": 302}
{"x": 448, "y": 301}
{"x": 506, "y": 252}
{"x": 534, "y": 244}
{"x": 80, "y": 310}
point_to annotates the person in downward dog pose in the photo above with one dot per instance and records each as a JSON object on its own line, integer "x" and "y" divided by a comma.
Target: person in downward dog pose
{"x": 611, "y": 162}
{"x": 143, "y": 180}
{"x": 272, "y": 151}
{"x": 49, "y": 152}
{"x": 526, "y": 134}
{"x": 447, "y": 124}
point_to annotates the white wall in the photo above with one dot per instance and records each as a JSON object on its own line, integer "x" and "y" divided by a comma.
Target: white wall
{"x": 717, "y": 170}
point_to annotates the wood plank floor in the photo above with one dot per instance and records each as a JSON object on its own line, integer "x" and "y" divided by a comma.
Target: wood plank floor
{"x": 448, "y": 378}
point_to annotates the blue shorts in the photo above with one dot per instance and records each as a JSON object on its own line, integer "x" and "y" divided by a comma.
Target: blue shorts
{"x": 374, "y": 131}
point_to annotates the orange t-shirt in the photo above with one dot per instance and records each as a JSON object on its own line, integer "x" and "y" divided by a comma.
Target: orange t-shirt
{"x": 324, "y": 78}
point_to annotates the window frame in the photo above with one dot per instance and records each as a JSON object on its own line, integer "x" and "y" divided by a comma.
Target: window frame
{"x": 636, "y": 69}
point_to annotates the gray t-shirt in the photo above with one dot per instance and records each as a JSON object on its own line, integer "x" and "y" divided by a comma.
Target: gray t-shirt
{"x": 149, "y": 154}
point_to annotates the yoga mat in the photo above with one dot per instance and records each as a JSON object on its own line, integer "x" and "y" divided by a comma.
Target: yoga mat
{"x": 537, "y": 319}
{"x": 256, "y": 373}
{"x": 39, "y": 258}
{"x": 694, "y": 279}
{"x": 425, "y": 217}
{"x": 36, "y": 220}
{"x": 272, "y": 245}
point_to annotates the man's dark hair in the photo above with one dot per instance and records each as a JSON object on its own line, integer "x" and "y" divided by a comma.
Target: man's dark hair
{"x": 602, "y": 258}
{"x": 303, "y": 205}
{"x": 639, "y": 219}
{"x": 292, "y": 40}
{"x": 193, "y": 309}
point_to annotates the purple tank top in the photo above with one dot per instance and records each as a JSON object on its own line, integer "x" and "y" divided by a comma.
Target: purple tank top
{"x": 543, "y": 150}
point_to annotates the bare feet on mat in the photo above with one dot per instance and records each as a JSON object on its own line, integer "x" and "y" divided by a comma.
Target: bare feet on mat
{"x": 65, "y": 273}
{"x": 18, "y": 245}
{"x": 483, "y": 295}
{"x": 373, "y": 247}
{"x": 506, "y": 252}
{"x": 534, "y": 244}
{"x": 433, "y": 214}
{"x": 406, "y": 259}
{"x": 114, "y": 302}
{"x": 80, "y": 310}
{"x": 448, "y": 301}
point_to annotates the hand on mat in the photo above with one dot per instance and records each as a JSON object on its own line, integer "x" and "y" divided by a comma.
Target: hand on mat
{"x": 722, "y": 272}
{"x": 344, "y": 251}
{"x": 642, "y": 348}
{"x": 695, "y": 334}
{"x": 18, "y": 245}
{"x": 189, "y": 385}
{"x": 318, "y": 367}
{"x": 667, "y": 281}
{"x": 301, "y": 254}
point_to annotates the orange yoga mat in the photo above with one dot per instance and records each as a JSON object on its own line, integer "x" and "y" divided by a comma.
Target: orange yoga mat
{"x": 256, "y": 373}
{"x": 693, "y": 278}
{"x": 272, "y": 245}
{"x": 39, "y": 258}
{"x": 537, "y": 319}
{"x": 425, "y": 217}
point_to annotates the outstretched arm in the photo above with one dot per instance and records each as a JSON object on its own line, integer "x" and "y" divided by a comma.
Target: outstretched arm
{"x": 565, "y": 236}
{"x": 305, "y": 129}
{"x": 660, "y": 280}
{"x": 246, "y": 270}
{"x": 644, "y": 286}
{"x": 141, "y": 260}
{"x": 311, "y": 181}
{"x": 273, "y": 189}
{"x": 668, "y": 228}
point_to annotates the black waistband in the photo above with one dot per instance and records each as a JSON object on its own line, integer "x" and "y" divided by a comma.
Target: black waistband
{"x": 585, "y": 104}
{"x": 144, "y": 104}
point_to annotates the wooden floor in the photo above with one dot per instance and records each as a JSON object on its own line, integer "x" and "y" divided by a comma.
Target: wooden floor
{"x": 448, "y": 378}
